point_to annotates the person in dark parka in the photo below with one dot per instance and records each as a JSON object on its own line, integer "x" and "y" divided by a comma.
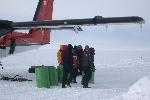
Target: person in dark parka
{"x": 67, "y": 58}
{"x": 79, "y": 54}
{"x": 75, "y": 64}
{"x": 86, "y": 63}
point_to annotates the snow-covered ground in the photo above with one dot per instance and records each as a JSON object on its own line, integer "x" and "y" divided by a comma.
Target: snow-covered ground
{"x": 118, "y": 76}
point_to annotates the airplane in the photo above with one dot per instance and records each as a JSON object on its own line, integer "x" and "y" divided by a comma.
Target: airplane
{"x": 12, "y": 42}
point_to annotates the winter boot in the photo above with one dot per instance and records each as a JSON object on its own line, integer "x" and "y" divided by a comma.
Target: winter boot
{"x": 68, "y": 84}
{"x": 86, "y": 87}
{"x": 63, "y": 86}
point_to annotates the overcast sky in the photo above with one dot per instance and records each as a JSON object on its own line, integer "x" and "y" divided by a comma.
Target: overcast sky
{"x": 129, "y": 36}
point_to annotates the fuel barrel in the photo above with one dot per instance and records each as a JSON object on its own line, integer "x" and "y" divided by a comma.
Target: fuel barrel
{"x": 53, "y": 76}
{"x": 42, "y": 77}
{"x": 60, "y": 73}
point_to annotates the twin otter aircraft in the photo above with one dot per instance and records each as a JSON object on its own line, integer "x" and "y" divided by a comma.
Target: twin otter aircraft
{"x": 40, "y": 28}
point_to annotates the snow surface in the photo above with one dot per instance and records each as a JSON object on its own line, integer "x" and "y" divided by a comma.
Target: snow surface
{"x": 139, "y": 91}
{"x": 119, "y": 76}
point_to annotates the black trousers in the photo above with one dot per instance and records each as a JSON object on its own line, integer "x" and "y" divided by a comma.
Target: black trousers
{"x": 86, "y": 77}
{"x": 75, "y": 73}
{"x": 68, "y": 75}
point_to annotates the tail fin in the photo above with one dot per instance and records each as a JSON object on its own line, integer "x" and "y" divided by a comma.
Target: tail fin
{"x": 36, "y": 36}
{"x": 43, "y": 12}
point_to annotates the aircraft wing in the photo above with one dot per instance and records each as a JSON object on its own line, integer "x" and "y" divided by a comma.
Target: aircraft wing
{"x": 68, "y": 24}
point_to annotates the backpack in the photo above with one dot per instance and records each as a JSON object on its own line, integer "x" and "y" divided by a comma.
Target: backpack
{"x": 59, "y": 56}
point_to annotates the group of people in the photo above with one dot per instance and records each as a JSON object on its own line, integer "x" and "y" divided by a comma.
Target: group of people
{"x": 77, "y": 61}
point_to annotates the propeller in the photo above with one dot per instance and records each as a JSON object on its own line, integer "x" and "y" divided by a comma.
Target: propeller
{"x": 5, "y": 27}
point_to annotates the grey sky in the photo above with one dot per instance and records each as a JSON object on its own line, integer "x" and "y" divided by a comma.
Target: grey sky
{"x": 116, "y": 37}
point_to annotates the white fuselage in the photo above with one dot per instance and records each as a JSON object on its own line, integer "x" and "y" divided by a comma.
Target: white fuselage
{"x": 18, "y": 49}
